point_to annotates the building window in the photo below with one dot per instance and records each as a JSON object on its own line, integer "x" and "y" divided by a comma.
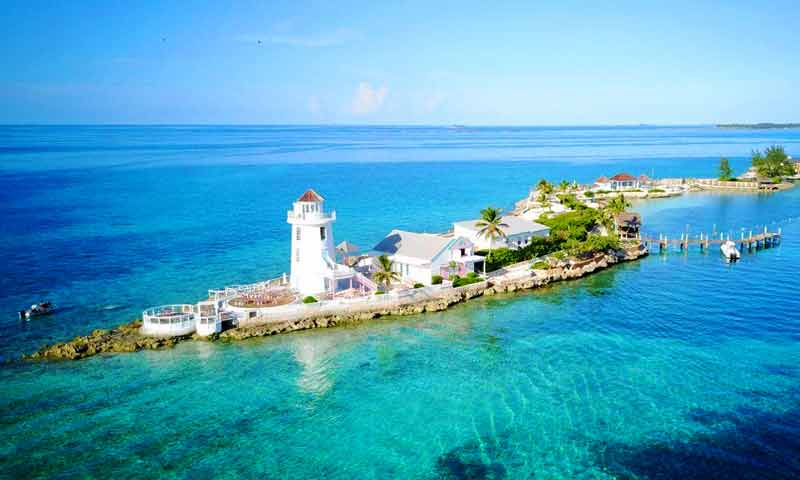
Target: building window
{"x": 297, "y": 255}
{"x": 322, "y": 233}
{"x": 297, "y": 235}
{"x": 463, "y": 252}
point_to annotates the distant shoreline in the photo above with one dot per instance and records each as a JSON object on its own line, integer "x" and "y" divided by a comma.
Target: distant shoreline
{"x": 759, "y": 126}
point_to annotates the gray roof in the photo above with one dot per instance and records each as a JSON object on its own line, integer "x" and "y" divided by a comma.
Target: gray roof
{"x": 415, "y": 245}
{"x": 516, "y": 225}
{"x": 347, "y": 247}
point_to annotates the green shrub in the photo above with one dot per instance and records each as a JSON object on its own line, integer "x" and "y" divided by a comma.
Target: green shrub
{"x": 657, "y": 190}
{"x": 309, "y": 299}
{"x": 592, "y": 244}
{"x": 588, "y": 194}
{"x": 437, "y": 279}
{"x": 469, "y": 279}
{"x": 540, "y": 265}
{"x": 569, "y": 200}
{"x": 379, "y": 292}
{"x": 418, "y": 285}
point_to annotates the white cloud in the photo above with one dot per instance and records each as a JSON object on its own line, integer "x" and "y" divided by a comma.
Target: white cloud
{"x": 310, "y": 40}
{"x": 367, "y": 99}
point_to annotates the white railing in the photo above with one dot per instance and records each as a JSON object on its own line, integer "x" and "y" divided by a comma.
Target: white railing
{"x": 169, "y": 320}
{"x": 341, "y": 306}
{"x": 292, "y": 215}
{"x": 234, "y": 290}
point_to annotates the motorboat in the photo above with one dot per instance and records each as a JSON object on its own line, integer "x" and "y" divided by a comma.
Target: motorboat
{"x": 729, "y": 250}
{"x": 37, "y": 310}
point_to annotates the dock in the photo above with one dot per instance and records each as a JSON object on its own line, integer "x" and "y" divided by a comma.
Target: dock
{"x": 750, "y": 242}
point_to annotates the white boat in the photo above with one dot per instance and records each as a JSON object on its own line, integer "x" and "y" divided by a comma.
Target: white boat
{"x": 36, "y": 310}
{"x": 729, "y": 250}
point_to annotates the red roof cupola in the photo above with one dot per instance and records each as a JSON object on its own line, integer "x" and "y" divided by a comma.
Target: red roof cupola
{"x": 622, "y": 177}
{"x": 310, "y": 196}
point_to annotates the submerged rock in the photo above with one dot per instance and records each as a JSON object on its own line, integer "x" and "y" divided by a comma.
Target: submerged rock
{"x": 124, "y": 338}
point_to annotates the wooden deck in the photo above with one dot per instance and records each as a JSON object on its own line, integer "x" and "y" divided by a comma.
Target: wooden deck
{"x": 750, "y": 241}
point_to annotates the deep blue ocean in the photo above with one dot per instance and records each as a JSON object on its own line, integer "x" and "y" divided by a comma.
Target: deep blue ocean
{"x": 676, "y": 366}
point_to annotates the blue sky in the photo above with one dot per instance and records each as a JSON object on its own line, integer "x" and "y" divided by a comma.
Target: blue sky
{"x": 529, "y": 63}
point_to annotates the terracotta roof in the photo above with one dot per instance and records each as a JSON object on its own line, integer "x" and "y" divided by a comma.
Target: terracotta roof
{"x": 310, "y": 196}
{"x": 644, "y": 178}
{"x": 601, "y": 180}
{"x": 622, "y": 177}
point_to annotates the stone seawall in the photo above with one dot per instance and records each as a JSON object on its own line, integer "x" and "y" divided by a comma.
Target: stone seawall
{"x": 126, "y": 338}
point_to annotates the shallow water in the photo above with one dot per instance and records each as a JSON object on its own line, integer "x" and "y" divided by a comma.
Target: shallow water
{"x": 676, "y": 366}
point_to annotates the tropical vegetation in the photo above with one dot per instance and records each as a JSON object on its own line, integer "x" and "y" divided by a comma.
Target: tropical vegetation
{"x": 572, "y": 233}
{"x": 491, "y": 226}
{"x": 725, "y": 170}
{"x": 773, "y": 163}
{"x": 385, "y": 275}
{"x": 471, "y": 278}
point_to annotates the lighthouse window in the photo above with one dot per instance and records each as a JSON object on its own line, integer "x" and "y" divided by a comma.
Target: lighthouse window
{"x": 297, "y": 235}
{"x": 297, "y": 255}
{"x": 322, "y": 233}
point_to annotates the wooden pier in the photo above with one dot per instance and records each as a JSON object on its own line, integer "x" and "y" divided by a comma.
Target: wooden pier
{"x": 748, "y": 242}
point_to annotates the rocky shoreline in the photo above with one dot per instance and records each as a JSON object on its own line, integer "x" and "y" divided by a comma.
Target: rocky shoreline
{"x": 126, "y": 338}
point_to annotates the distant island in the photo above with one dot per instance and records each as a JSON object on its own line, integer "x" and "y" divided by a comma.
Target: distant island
{"x": 759, "y": 126}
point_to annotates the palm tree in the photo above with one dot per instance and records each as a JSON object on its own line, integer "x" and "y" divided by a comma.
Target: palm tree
{"x": 385, "y": 275}
{"x": 542, "y": 199}
{"x": 563, "y": 186}
{"x": 545, "y": 186}
{"x": 605, "y": 217}
{"x": 618, "y": 204}
{"x": 491, "y": 227}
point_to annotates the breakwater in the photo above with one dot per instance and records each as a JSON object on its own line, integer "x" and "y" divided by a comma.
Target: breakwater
{"x": 126, "y": 338}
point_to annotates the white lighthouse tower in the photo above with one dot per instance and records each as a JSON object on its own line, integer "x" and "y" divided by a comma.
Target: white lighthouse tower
{"x": 314, "y": 270}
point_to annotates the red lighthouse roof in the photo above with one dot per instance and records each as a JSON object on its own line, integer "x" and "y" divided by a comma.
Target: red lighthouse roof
{"x": 310, "y": 196}
{"x": 622, "y": 177}
{"x": 601, "y": 180}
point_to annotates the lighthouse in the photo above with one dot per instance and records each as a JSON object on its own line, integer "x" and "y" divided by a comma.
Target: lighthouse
{"x": 314, "y": 266}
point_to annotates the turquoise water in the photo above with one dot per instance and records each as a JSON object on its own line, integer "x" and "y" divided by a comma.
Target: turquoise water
{"x": 677, "y": 366}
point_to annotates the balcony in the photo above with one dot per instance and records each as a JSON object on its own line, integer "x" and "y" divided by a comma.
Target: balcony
{"x": 292, "y": 216}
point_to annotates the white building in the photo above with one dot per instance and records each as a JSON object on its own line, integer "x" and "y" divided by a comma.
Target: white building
{"x": 620, "y": 181}
{"x": 519, "y": 232}
{"x": 419, "y": 256}
{"x": 314, "y": 270}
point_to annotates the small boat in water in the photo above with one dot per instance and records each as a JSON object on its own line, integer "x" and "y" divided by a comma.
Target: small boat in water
{"x": 37, "y": 310}
{"x": 729, "y": 250}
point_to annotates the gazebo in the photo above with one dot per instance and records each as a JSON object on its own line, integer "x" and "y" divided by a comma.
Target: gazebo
{"x": 627, "y": 225}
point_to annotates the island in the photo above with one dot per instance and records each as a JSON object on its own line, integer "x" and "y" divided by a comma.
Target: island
{"x": 758, "y": 126}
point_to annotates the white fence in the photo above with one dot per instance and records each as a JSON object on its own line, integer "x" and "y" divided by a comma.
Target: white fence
{"x": 169, "y": 320}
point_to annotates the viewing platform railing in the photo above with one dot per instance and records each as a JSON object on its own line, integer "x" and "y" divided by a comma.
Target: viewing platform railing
{"x": 169, "y": 320}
